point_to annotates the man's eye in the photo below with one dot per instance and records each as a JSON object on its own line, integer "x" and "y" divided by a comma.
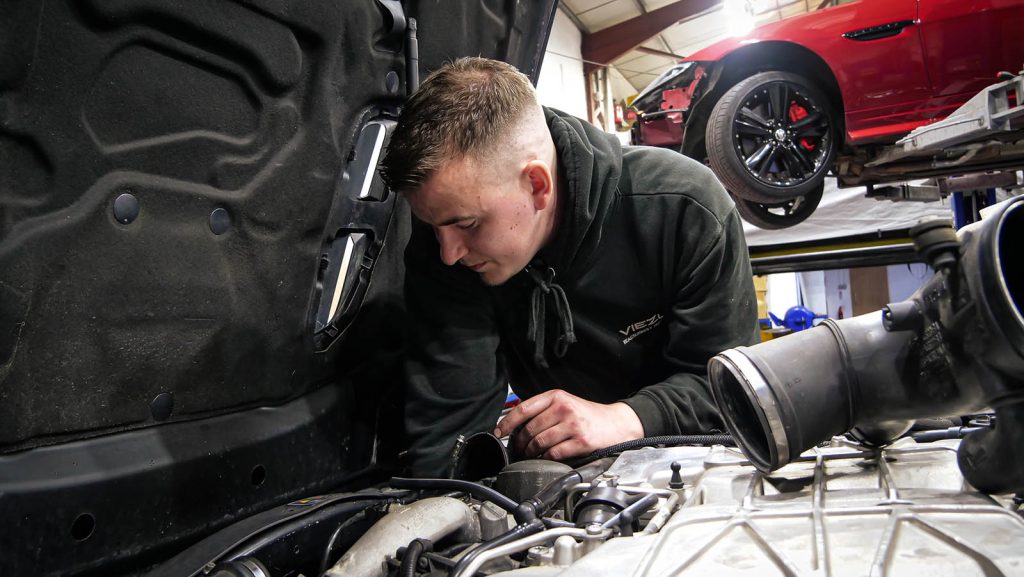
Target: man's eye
{"x": 467, "y": 225}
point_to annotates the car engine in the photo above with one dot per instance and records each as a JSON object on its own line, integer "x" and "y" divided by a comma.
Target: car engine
{"x": 840, "y": 509}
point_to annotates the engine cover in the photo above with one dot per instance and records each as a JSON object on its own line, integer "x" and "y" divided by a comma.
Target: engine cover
{"x": 839, "y": 510}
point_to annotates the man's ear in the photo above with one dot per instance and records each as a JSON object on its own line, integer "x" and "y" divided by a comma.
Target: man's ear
{"x": 538, "y": 176}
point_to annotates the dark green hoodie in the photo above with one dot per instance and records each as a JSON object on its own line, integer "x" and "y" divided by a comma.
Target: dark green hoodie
{"x": 650, "y": 253}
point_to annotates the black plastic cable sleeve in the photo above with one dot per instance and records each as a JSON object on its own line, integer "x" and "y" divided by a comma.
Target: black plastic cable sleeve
{"x": 475, "y": 489}
{"x": 668, "y": 440}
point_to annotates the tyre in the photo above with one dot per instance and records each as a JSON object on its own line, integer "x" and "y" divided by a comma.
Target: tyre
{"x": 772, "y": 138}
{"x": 776, "y": 215}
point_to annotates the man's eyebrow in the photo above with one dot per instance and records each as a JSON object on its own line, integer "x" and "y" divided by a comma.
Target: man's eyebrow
{"x": 454, "y": 220}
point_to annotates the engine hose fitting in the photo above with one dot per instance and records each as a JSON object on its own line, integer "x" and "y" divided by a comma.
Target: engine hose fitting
{"x": 513, "y": 534}
{"x": 535, "y": 507}
{"x": 411, "y": 558}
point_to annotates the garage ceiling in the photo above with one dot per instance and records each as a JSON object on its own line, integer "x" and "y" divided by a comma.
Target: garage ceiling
{"x": 706, "y": 22}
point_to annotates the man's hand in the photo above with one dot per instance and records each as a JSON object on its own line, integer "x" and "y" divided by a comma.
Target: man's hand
{"x": 560, "y": 425}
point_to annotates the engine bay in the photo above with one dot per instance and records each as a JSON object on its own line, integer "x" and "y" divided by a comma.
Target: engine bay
{"x": 839, "y": 509}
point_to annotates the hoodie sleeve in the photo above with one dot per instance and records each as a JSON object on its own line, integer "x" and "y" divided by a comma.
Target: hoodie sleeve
{"x": 714, "y": 309}
{"x": 455, "y": 382}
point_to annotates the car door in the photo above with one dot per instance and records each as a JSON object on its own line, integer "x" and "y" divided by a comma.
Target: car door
{"x": 966, "y": 42}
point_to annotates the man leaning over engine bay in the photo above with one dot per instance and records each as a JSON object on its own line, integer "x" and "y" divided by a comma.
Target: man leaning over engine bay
{"x": 594, "y": 279}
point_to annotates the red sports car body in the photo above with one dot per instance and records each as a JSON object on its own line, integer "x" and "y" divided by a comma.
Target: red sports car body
{"x": 872, "y": 70}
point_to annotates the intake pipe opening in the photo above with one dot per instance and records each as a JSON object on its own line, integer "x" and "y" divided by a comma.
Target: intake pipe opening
{"x": 955, "y": 347}
{"x": 786, "y": 395}
{"x": 756, "y": 425}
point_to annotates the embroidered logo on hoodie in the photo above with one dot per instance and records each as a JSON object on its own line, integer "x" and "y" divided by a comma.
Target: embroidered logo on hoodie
{"x": 640, "y": 327}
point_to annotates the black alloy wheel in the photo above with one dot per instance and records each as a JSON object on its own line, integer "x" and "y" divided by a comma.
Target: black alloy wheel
{"x": 772, "y": 138}
{"x": 778, "y": 215}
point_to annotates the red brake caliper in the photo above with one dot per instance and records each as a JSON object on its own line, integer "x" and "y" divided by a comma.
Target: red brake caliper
{"x": 797, "y": 112}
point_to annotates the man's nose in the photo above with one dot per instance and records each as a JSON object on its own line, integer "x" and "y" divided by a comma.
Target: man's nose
{"x": 452, "y": 249}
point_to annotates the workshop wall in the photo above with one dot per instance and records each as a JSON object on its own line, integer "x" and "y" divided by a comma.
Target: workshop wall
{"x": 561, "y": 83}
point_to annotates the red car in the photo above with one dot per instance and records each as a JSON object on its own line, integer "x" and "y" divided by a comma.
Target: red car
{"x": 774, "y": 111}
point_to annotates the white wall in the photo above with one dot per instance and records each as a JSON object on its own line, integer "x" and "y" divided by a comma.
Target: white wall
{"x": 812, "y": 288}
{"x": 782, "y": 293}
{"x": 561, "y": 84}
{"x": 788, "y": 289}
{"x": 825, "y": 292}
{"x": 904, "y": 279}
{"x": 837, "y": 294}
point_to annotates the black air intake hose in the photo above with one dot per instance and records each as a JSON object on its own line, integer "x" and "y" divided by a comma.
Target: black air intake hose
{"x": 956, "y": 346}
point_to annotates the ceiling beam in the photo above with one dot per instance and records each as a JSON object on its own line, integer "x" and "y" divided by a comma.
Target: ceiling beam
{"x": 604, "y": 46}
{"x": 654, "y": 52}
{"x": 576, "y": 19}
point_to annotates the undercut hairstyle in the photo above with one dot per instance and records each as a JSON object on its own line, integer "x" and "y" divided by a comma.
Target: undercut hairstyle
{"x": 466, "y": 107}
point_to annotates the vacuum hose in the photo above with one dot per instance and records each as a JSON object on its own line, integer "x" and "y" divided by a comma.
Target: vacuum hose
{"x": 955, "y": 346}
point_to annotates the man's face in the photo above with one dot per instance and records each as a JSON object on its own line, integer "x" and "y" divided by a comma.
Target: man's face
{"x": 485, "y": 217}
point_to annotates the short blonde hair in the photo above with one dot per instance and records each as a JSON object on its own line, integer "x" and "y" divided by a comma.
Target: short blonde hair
{"x": 467, "y": 106}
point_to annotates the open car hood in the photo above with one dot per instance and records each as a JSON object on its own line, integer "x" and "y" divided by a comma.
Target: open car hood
{"x": 200, "y": 270}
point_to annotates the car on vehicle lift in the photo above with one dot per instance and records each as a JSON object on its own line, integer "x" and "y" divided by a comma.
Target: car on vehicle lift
{"x": 774, "y": 111}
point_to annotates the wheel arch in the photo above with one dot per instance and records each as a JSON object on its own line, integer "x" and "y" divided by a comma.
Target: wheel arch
{"x": 749, "y": 60}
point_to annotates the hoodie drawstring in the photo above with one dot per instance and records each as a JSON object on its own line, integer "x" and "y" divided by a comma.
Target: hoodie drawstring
{"x": 538, "y": 310}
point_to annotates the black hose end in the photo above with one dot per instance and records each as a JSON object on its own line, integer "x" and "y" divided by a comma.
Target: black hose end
{"x": 936, "y": 241}
{"x": 526, "y": 512}
{"x": 592, "y": 470}
{"x": 411, "y": 556}
{"x": 902, "y": 316}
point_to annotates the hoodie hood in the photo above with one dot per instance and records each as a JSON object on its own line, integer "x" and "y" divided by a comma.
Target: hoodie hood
{"x": 590, "y": 164}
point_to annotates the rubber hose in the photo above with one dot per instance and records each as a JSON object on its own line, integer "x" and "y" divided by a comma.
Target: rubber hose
{"x": 669, "y": 440}
{"x": 475, "y": 489}
{"x": 513, "y": 534}
{"x": 411, "y": 558}
{"x": 940, "y": 434}
{"x": 551, "y": 523}
{"x": 546, "y": 498}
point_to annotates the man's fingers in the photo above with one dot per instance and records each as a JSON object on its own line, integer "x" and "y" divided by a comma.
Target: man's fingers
{"x": 551, "y": 437}
{"x": 523, "y": 412}
{"x": 558, "y": 425}
{"x": 540, "y": 423}
{"x": 525, "y": 434}
{"x": 566, "y": 449}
